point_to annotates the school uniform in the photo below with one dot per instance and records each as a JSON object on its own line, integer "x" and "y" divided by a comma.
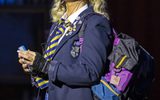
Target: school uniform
{"x": 71, "y": 74}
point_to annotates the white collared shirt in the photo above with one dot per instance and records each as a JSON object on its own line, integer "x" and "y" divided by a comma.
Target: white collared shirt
{"x": 72, "y": 18}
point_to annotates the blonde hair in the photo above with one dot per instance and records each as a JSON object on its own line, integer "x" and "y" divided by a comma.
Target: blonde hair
{"x": 59, "y": 8}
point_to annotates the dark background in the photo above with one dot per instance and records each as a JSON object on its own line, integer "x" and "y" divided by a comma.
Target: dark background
{"x": 26, "y": 22}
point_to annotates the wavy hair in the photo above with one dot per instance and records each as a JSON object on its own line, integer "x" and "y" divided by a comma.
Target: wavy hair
{"x": 58, "y": 8}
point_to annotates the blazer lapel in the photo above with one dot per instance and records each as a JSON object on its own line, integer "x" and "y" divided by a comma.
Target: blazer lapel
{"x": 78, "y": 26}
{"x": 67, "y": 37}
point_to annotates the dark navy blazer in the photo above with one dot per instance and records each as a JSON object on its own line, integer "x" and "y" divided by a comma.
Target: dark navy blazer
{"x": 71, "y": 78}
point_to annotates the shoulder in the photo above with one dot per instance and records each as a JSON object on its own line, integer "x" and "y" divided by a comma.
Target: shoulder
{"x": 90, "y": 16}
{"x": 96, "y": 17}
{"x": 99, "y": 21}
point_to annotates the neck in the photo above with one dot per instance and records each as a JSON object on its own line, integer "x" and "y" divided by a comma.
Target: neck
{"x": 73, "y": 6}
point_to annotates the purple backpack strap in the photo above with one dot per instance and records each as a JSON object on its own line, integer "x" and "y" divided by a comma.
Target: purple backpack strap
{"x": 116, "y": 39}
{"x": 81, "y": 32}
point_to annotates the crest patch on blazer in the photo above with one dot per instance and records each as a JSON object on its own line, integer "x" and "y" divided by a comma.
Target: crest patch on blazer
{"x": 75, "y": 49}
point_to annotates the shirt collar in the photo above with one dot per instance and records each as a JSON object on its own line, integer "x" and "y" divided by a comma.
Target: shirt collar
{"x": 73, "y": 17}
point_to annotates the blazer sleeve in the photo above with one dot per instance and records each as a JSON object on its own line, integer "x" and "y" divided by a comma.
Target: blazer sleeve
{"x": 92, "y": 60}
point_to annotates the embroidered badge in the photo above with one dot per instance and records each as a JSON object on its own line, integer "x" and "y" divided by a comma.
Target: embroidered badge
{"x": 75, "y": 50}
{"x": 115, "y": 80}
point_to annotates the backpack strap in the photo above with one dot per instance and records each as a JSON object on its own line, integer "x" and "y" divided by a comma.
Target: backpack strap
{"x": 83, "y": 27}
{"x": 110, "y": 88}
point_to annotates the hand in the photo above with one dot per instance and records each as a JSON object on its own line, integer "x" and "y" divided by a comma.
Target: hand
{"x": 26, "y": 58}
{"x": 32, "y": 62}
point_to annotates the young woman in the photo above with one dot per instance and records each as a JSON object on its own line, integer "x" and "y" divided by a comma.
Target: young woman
{"x": 72, "y": 63}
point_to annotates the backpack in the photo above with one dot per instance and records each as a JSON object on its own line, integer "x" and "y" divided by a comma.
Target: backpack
{"x": 131, "y": 70}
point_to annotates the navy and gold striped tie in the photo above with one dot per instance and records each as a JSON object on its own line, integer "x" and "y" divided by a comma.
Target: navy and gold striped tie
{"x": 52, "y": 45}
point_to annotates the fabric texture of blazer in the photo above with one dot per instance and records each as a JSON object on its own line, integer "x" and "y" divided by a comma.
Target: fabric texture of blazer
{"x": 71, "y": 77}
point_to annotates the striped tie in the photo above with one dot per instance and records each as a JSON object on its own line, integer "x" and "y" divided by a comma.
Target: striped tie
{"x": 53, "y": 43}
{"x": 54, "y": 39}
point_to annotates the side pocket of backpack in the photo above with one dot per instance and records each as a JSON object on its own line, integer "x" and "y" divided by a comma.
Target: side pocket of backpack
{"x": 105, "y": 91}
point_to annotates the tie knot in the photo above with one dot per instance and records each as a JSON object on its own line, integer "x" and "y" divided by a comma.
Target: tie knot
{"x": 64, "y": 22}
{"x": 67, "y": 23}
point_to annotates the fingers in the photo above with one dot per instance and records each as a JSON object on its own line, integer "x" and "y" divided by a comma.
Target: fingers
{"x": 26, "y": 58}
{"x": 25, "y": 68}
{"x": 32, "y": 53}
{"x": 25, "y": 65}
{"x": 23, "y": 61}
{"x": 28, "y": 55}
